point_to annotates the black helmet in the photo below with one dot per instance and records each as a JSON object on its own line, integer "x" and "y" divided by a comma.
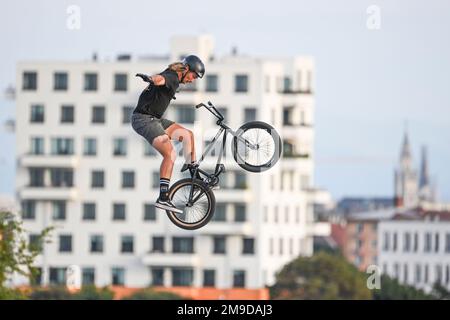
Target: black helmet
{"x": 195, "y": 65}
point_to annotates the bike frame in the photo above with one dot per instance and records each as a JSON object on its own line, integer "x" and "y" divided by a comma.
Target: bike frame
{"x": 223, "y": 129}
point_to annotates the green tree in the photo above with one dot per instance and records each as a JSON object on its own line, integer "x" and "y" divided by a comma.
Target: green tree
{"x": 440, "y": 292}
{"x": 322, "y": 276}
{"x": 391, "y": 289}
{"x": 50, "y": 293}
{"x": 90, "y": 292}
{"x": 17, "y": 255}
{"x": 150, "y": 294}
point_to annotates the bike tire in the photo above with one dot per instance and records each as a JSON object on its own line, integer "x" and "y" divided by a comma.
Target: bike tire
{"x": 276, "y": 140}
{"x": 211, "y": 204}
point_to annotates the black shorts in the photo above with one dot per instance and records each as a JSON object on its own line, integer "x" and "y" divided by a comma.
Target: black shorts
{"x": 148, "y": 126}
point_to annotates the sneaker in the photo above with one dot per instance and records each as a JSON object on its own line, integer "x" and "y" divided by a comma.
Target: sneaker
{"x": 167, "y": 205}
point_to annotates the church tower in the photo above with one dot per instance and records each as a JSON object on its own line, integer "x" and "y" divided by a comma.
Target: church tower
{"x": 406, "y": 186}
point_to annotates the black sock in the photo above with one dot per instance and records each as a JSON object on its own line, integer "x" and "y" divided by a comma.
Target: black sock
{"x": 164, "y": 188}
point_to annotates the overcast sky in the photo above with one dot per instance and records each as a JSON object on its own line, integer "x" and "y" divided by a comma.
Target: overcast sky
{"x": 368, "y": 82}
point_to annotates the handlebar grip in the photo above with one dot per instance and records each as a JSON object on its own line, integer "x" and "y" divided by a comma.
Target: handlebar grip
{"x": 144, "y": 77}
{"x": 199, "y": 105}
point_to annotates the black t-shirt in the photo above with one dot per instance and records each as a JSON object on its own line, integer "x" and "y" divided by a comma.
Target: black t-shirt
{"x": 155, "y": 99}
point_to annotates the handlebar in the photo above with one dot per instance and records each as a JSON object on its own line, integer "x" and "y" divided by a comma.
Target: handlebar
{"x": 211, "y": 109}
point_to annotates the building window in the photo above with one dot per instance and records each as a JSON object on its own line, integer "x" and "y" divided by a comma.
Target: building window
{"x": 240, "y": 181}
{"x": 127, "y": 112}
{"x": 57, "y": 276}
{"x": 155, "y": 179}
{"x": 427, "y": 247}
{"x": 447, "y": 243}
{"x": 209, "y": 278}
{"x": 212, "y": 83}
{"x": 249, "y": 114}
{"x": 158, "y": 244}
{"x": 359, "y": 227}
{"x": 97, "y": 179}
{"x": 182, "y": 277}
{"x": 89, "y": 211}
{"x": 65, "y": 243}
{"x": 416, "y": 242}
{"x": 407, "y": 242}
{"x": 425, "y": 276}
{"x": 120, "y": 147}
{"x": 118, "y": 276}
{"x": 447, "y": 274}
{"x": 36, "y": 177}
{"x": 37, "y": 113}
{"x": 59, "y": 210}
{"x": 183, "y": 245}
{"x": 37, "y": 146}
{"x": 28, "y": 209}
{"x": 90, "y": 147}
{"x": 149, "y": 150}
{"x": 241, "y": 83}
{"x": 219, "y": 245}
{"x": 96, "y": 244}
{"x": 60, "y": 81}
{"x": 220, "y": 212}
{"x": 120, "y": 82}
{"x": 119, "y": 211}
{"x": 438, "y": 273}
{"x": 271, "y": 246}
{"x": 127, "y": 244}
{"x": 386, "y": 241}
{"x": 67, "y": 114}
{"x": 61, "y": 177}
{"x": 405, "y": 273}
{"x": 281, "y": 246}
{"x": 88, "y": 276}
{"x": 157, "y": 276}
{"x": 90, "y": 82}
{"x": 287, "y": 116}
{"x": 418, "y": 273}
{"x": 239, "y": 278}
{"x": 185, "y": 114}
{"x": 35, "y": 241}
{"x": 128, "y": 179}
{"x": 275, "y": 214}
{"x": 436, "y": 242}
{"x": 98, "y": 114}
{"x": 394, "y": 242}
{"x": 149, "y": 212}
{"x": 248, "y": 246}
{"x": 62, "y": 146}
{"x": 29, "y": 80}
{"x": 239, "y": 213}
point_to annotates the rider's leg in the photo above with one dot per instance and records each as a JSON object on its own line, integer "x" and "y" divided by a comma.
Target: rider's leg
{"x": 186, "y": 136}
{"x": 165, "y": 148}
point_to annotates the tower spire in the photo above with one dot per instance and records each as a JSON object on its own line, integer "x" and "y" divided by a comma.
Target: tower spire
{"x": 424, "y": 173}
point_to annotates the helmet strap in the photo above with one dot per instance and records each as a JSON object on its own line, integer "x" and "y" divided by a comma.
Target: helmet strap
{"x": 184, "y": 76}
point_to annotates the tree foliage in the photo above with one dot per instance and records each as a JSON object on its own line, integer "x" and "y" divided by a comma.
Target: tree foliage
{"x": 151, "y": 294}
{"x": 322, "y": 276}
{"x": 17, "y": 255}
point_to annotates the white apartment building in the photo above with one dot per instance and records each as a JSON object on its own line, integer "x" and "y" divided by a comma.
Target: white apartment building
{"x": 414, "y": 247}
{"x": 83, "y": 169}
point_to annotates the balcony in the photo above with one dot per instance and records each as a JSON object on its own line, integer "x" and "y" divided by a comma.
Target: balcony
{"x": 48, "y": 193}
{"x": 227, "y": 228}
{"x": 31, "y": 160}
{"x": 171, "y": 259}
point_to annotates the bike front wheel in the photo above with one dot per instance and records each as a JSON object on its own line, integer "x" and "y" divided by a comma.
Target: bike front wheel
{"x": 196, "y": 214}
{"x": 257, "y": 146}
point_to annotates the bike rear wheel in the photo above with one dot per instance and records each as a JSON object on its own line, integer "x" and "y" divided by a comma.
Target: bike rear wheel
{"x": 267, "y": 140}
{"x": 201, "y": 211}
